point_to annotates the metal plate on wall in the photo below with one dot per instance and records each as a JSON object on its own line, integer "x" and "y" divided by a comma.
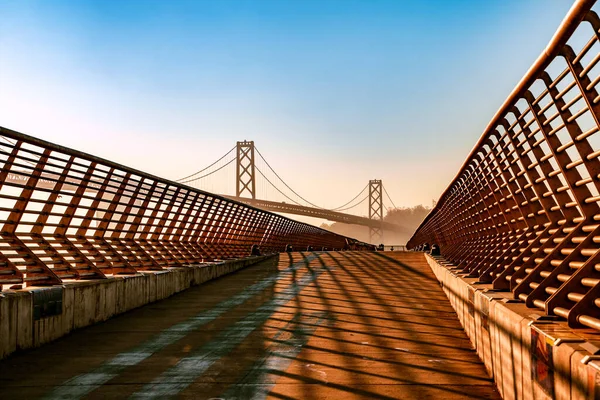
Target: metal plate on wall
{"x": 47, "y": 302}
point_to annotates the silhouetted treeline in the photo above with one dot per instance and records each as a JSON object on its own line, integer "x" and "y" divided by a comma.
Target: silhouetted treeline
{"x": 408, "y": 217}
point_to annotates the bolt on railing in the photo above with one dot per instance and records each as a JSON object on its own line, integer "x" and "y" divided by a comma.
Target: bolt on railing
{"x": 523, "y": 212}
{"x": 65, "y": 214}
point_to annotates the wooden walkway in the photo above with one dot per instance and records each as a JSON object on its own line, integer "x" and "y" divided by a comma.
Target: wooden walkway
{"x": 344, "y": 325}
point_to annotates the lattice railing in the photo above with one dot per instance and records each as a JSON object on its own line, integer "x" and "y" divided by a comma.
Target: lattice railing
{"x": 523, "y": 211}
{"x": 69, "y": 215}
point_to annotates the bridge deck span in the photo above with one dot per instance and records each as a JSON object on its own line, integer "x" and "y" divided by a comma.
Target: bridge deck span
{"x": 316, "y": 325}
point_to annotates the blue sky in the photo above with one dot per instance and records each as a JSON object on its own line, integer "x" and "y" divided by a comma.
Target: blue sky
{"x": 334, "y": 93}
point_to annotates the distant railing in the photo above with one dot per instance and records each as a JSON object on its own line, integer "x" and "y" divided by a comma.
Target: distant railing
{"x": 65, "y": 214}
{"x": 392, "y": 247}
{"x": 523, "y": 211}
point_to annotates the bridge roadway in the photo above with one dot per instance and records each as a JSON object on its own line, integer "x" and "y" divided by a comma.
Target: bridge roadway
{"x": 340, "y": 325}
{"x": 48, "y": 181}
{"x": 329, "y": 215}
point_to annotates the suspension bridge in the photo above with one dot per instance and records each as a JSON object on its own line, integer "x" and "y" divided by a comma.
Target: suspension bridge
{"x": 240, "y": 164}
{"x": 160, "y": 289}
{"x": 246, "y": 188}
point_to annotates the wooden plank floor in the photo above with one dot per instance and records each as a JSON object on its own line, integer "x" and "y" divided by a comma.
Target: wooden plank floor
{"x": 344, "y": 325}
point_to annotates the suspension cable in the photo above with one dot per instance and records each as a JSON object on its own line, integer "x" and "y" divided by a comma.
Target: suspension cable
{"x": 204, "y": 169}
{"x": 357, "y": 204}
{"x": 292, "y": 200}
{"x": 340, "y": 208}
{"x": 293, "y": 191}
{"x": 276, "y": 188}
{"x": 210, "y": 173}
{"x": 286, "y": 185}
{"x": 355, "y": 197}
{"x": 389, "y": 197}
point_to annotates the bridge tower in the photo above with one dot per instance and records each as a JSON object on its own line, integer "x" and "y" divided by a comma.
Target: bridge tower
{"x": 245, "y": 183}
{"x": 376, "y": 210}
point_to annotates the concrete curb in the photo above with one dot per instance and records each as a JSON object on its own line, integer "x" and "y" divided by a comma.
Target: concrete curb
{"x": 528, "y": 355}
{"x": 34, "y": 316}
